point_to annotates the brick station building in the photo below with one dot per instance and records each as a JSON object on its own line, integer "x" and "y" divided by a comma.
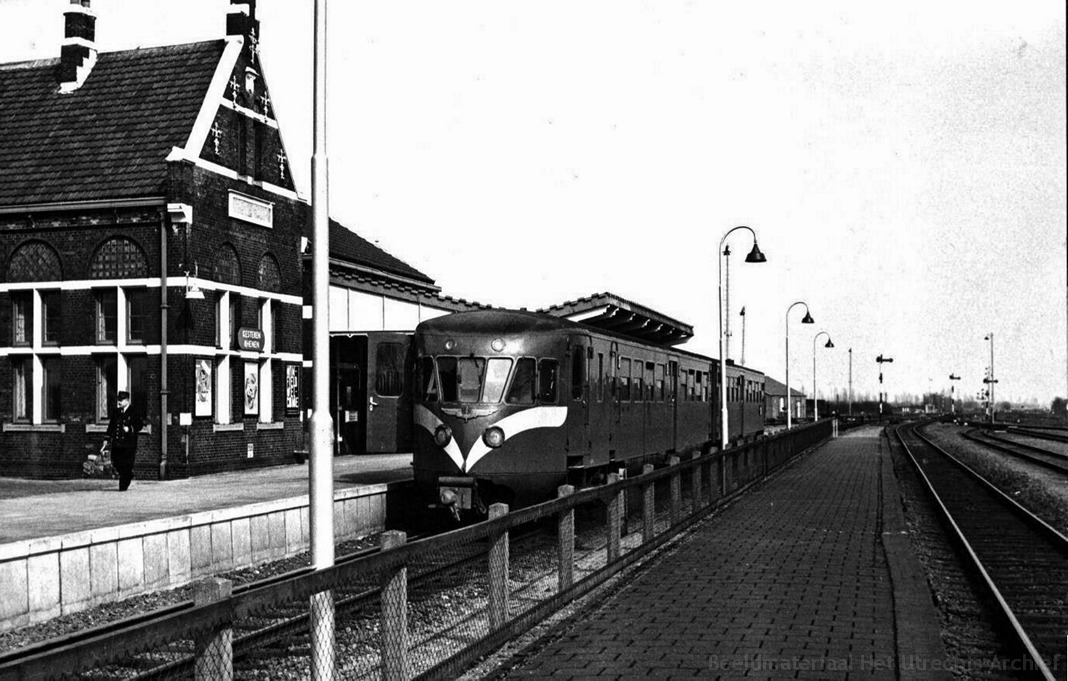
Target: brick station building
{"x": 152, "y": 240}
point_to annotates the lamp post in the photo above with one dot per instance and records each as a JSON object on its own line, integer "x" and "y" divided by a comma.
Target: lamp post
{"x": 815, "y": 390}
{"x": 990, "y": 379}
{"x": 754, "y": 256}
{"x": 952, "y": 404}
{"x": 807, "y": 319}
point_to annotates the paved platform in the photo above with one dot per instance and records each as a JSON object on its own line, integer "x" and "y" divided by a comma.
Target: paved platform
{"x": 34, "y": 509}
{"x": 809, "y": 576}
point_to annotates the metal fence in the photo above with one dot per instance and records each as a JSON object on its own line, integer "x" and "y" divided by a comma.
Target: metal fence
{"x": 428, "y": 608}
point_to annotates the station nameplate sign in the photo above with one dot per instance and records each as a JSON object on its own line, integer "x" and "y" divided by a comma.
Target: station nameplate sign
{"x": 251, "y": 210}
{"x": 250, "y": 339}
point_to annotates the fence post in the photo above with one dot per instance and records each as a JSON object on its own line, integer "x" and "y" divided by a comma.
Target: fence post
{"x": 498, "y": 571}
{"x": 615, "y": 519}
{"x": 565, "y": 537}
{"x": 214, "y": 647}
{"x": 395, "y": 613}
{"x": 648, "y": 506}
{"x": 676, "y": 489}
{"x": 695, "y": 478}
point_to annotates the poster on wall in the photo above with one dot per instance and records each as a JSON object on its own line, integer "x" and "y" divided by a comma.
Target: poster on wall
{"x": 292, "y": 387}
{"x": 252, "y": 388}
{"x": 202, "y": 401}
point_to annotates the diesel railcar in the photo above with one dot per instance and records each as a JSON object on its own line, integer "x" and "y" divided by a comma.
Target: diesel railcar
{"x": 508, "y": 405}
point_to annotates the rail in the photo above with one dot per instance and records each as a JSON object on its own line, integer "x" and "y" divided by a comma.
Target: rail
{"x": 435, "y": 612}
{"x": 998, "y": 536}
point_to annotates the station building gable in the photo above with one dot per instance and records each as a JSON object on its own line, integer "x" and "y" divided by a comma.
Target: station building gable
{"x": 132, "y": 179}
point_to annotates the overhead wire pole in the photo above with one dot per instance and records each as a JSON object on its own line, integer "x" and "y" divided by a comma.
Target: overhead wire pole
{"x": 850, "y": 381}
{"x": 742, "y": 315}
{"x": 321, "y": 475}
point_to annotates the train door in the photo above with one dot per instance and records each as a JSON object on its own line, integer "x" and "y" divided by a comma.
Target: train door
{"x": 348, "y": 355}
{"x": 578, "y": 414}
{"x": 599, "y": 404}
{"x": 389, "y": 397}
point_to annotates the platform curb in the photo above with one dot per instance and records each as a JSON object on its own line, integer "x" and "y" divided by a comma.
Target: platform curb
{"x": 918, "y": 640}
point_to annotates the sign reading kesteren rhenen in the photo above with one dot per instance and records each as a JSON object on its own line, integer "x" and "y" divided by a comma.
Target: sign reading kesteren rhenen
{"x": 251, "y": 210}
{"x": 250, "y": 339}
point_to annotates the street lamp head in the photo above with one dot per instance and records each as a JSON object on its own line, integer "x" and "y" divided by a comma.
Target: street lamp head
{"x": 755, "y": 255}
{"x": 807, "y": 319}
{"x": 829, "y": 344}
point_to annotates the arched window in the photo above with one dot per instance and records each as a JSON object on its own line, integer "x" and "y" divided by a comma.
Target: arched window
{"x": 270, "y": 277}
{"x": 118, "y": 258}
{"x": 34, "y": 261}
{"x": 227, "y": 268}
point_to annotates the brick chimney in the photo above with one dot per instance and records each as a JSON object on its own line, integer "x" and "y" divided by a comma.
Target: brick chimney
{"x": 78, "y": 52}
{"x": 241, "y": 19}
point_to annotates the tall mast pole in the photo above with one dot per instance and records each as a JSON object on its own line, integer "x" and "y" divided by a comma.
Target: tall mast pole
{"x": 321, "y": 425}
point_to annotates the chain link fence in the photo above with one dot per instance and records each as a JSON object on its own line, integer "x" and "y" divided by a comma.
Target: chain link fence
{"x": 425, "y": 609}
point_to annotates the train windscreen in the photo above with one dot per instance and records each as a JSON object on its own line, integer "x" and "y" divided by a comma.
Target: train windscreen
{"x": 486, "y": 380}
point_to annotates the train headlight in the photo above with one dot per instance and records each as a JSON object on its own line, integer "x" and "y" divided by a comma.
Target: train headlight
{"x": 442, "y": 435}
{"x": 493, "y": 437}
{"x": 497, "y": 344}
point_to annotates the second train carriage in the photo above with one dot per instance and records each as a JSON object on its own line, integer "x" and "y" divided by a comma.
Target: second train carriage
{"x": 508, "y": 405}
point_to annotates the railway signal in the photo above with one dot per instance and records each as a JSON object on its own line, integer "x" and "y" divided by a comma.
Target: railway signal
{"x": 882, "y": 360}
{"x": 952, "y": 406}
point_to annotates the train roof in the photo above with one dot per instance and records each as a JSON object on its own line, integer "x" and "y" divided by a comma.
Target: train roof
{"x": 504, "y": 321}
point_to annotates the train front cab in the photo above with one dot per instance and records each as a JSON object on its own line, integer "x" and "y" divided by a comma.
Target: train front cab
{"x": 491, "y": 425}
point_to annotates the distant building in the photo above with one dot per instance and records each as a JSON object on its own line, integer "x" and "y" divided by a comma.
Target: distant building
{"x": 776, "y": 403}
{"x": 152, "y": 240}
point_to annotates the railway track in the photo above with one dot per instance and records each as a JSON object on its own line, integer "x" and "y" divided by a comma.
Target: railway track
{"x": 1021, "y": 559}
{"x": 1036, "y": 455}
{"x": 1042, "y": 433}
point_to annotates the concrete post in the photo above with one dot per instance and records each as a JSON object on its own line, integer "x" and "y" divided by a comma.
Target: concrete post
{"x": 695, "y": 479}
{"x": 498, "y": 571}
{"x": 214, "y": 648}
{"x": 615, "y": 519}
{"x": 676, "y": 490}
{"x": 648, "y": 506}
{"x": 394, "y": 600}
{"x": 565, "y": 537}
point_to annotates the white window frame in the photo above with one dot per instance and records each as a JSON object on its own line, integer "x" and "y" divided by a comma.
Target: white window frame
{"x": 223, "y": 397}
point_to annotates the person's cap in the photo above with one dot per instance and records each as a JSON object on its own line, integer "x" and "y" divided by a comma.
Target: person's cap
{"x": 123, "y": 395}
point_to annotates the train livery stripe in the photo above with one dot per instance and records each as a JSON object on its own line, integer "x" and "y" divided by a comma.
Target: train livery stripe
{"x": 426, "y": 418}
{"x": 537, "y": 417}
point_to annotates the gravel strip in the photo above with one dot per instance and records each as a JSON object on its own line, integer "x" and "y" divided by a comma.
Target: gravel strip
{"x": 66, "y": 625}
{"x": 1042, "y": 491}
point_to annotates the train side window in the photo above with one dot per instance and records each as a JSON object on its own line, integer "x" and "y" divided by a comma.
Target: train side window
{"x": 624, "y": 379}
{"x": 673, "y": 377}
{"x": 693, "y": 386}
{"x": 638, "y": 381}
{"x": 497, "y": 369}
{"x": 547, "y": 369}
{"x": 428, "y": 380}
{"x": 522, "y": 389}
{"x": 683, "y": 386}
{"x": 389, "y": 369}
{"x": 578, "y": 371}
{"x": 600, "y": 377}
{"x": 660, "y": 382}
{"x": 699, "y": 387}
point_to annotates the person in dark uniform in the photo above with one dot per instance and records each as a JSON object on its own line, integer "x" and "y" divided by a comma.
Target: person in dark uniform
{"x": 122, "y": 434}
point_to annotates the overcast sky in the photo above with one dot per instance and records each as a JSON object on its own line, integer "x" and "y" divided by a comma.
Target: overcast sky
{"x": 902, "y": 163}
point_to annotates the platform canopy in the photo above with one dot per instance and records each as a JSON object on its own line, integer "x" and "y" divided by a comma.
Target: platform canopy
{"x": 609, "y": 312}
